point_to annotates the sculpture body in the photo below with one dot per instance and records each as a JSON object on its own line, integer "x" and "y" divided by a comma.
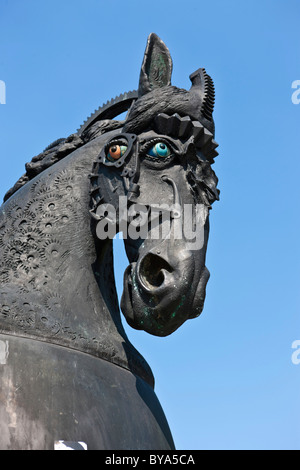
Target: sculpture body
{"x": 67, "y": 368}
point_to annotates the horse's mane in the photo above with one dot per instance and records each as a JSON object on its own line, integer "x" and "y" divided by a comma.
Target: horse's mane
{"x": 60, "y": 149}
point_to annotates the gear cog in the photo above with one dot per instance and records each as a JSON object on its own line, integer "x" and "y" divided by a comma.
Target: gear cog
{"x": 111, "y": 109}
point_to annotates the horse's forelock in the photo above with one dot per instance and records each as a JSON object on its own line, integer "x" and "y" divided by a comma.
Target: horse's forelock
{"x": 168, "y": 100}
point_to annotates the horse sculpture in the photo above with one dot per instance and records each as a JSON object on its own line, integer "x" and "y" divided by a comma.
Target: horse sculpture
{"x": 67, "y": 369}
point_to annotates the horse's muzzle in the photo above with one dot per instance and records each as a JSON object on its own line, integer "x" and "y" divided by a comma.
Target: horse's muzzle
{"x": 163, "y": 289}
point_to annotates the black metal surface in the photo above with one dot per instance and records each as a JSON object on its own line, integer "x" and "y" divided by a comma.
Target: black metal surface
{"x": 50, "y": 393}
{"x": 67, "y": 369}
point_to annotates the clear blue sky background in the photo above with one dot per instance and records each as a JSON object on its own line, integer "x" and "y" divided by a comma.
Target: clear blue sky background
{"x": 225, "y": 380}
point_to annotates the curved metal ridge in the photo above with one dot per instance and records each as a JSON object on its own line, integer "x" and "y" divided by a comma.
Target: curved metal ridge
{"x": 209, "y": 96}
{"x": 111, "y": 109}
{"x": 183, "y": 127}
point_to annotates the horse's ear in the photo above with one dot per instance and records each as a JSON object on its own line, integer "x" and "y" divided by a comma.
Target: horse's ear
{"x": 157, "y": 66}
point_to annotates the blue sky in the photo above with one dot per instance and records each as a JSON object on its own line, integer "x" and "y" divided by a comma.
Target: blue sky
{"x": 225, "y": 380}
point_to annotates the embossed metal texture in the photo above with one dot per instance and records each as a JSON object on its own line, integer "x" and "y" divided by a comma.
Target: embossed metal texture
{"x": 68, "y": 370}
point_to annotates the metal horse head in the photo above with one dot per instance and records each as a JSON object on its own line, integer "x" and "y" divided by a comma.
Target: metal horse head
{"x": 149, "y": 177}
{"x": 154, "y": 182}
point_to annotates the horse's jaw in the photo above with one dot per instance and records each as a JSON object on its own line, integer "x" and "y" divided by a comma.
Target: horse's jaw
{"x": 161, "y": 291}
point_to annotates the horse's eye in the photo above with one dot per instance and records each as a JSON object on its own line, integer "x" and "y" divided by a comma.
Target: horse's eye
{"x": 160, "y": 150}
{"x": 115, "y": 152}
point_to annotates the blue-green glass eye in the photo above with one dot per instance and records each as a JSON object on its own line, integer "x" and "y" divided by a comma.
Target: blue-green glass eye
{"x": 160, "y": 150}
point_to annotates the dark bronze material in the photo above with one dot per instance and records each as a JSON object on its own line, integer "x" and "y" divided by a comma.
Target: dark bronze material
{"x": 67, "y": 369}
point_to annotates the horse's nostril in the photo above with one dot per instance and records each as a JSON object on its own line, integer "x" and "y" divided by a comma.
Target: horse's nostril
{"x": 151, "y": 270}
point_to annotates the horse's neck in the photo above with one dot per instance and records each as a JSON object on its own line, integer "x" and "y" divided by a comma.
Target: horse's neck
{"x": 52, "y": 278}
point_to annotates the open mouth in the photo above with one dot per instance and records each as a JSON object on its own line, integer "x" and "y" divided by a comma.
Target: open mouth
{"x": 157, "y": 297}
{"x": 142, "y": 308}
